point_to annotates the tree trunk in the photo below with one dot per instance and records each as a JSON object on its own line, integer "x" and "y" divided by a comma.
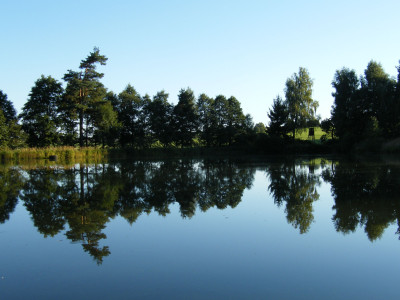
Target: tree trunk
{"x": 87, "y": 132}
{"x": 81, "y": 129}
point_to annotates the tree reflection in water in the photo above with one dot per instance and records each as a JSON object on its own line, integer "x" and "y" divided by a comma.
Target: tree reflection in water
{"x": 85, "y": 198}
{"x": 81, "y": 200}
{"x": 295, "y": 185}
{"x": 365, "y": 195}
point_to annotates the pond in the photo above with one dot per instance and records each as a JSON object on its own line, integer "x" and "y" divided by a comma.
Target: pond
{"x": 201, "y": 229}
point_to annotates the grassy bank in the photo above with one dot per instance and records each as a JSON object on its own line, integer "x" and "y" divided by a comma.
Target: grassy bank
{"x": 303, "y": 134}
{"x": 58, "y": 154}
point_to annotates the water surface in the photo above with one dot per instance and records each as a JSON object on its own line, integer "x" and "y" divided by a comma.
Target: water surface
{"x": 201, "y": 229}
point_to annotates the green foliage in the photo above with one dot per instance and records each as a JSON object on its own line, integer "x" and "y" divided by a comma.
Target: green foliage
{"x": 222, "y": 120}
{"x": 365, "y": 108}
{"x": 278, "y": 116}
{"x": 82, "y": 93}
{"x": 259, "y": 128}
{"x": 7, "y": 108}
{"x": 345, "y": 112}
{"x": 88, "y": 112}
{"x": 185, "y": 118}
{"x": 247, "y": 127}
{"x": 300, "y": 105}
{"x": 131, "y": 113}
{"x": 106, "y": 122}
{"x": 40, "y": 113}
{"x": 4, "y": 134}
{"x": 297, "y": 111}
{"x": 328, "y": 127}
{"x": 236, "y": 120}
{"x": 160, "y": 119}
{"x": 379, "y": 94}
{"x": 205, "y": 111}
{"x": 220, "y": 116}
{"x": 11, "y": 134}
{"x": 16, "y": 136}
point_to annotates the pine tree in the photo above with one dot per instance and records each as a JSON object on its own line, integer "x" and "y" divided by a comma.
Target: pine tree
{"x": 83, "y": 91}
{"x": 278, "y": 116}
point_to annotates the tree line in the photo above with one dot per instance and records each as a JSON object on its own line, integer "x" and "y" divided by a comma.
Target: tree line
{"x": 367, "y": 106}
{"x": 364, "y": 107}
{"x": 85, "y": 113}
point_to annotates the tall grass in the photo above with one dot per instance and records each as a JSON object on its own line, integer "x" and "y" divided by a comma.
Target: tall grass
{"x": 59, "y": 154}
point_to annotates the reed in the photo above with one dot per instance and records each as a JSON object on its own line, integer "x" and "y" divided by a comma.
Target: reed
{"x": 63, "y": 154}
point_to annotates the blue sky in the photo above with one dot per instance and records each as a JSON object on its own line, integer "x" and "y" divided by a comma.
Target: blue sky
{"x": 242, "y": 48}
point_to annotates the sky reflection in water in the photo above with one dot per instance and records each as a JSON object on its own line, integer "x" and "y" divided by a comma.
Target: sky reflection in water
{"x": 200, "y": 229}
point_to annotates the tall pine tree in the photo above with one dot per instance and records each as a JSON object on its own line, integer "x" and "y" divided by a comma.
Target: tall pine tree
{"x": 83, "y": 91}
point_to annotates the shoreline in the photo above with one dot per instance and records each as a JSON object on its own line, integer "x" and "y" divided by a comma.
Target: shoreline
{"x": 263, "y": 148}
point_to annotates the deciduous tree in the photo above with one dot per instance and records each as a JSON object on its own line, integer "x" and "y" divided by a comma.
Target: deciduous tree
{"x": 260, "y": 128}
{"x": 7, "y": 108}
{"x": 378, "y": 90}
{"x": 205, "y": 113}
{"x": 39, "y": 115}
{"x": 300, "y": 104}
{"x": 185, "y": 118}
{"x": 130, "y": 107}
{"x": 160, "y": 118}
{"x": 346, "y": 111}
{"x": 106, "y": 122}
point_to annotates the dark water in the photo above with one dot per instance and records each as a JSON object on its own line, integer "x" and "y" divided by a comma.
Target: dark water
{"x": 201, "y": 229}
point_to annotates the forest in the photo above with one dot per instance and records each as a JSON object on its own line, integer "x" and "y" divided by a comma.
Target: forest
{"x": 81, "y": 111}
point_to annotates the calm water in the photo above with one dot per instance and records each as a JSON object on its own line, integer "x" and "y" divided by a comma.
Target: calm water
{"x": 201, "y": 229}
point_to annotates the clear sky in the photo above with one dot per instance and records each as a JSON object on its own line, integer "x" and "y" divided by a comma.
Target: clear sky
{"x": 242, "y": 48}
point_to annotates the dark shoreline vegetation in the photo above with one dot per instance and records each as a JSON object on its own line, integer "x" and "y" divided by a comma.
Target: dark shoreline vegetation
{"x": 70, "y": 155}
{"x": 84, "y": 120}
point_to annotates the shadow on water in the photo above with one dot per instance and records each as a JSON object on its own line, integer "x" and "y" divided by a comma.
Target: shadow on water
{"x": 80, "y": 200}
